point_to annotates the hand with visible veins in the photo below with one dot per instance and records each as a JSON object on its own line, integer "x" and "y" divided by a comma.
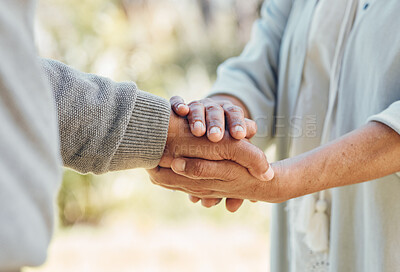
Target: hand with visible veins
{"x": 181, "y": 143}
{"x": 212, "y": 115}
{"x": 218, "y": 179}
{"x": 367, "y": 153}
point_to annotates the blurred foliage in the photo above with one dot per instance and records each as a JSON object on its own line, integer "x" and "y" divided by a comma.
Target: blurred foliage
{"x": 168, "y": 47}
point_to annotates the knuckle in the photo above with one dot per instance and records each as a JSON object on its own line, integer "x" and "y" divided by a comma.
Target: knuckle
{"x": 229, "y": 108}
{"x": 215, "y": 120}
{"x": 195, "y": 116}
{"x": 234, "y": 109}
{"x": 235, "y": 176}
{"x": 195, "y": 104}
{"x": 231, "y": 174}
{"x": 198, "y": 169}
{"x": 215, "y": 123}
{"x": 237, "y": 121}
{"x": 214, "y": 107}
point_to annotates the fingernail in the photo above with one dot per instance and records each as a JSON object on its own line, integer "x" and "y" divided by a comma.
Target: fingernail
{"x": 238, "y": 129}
{"x": 269, "y": 174}
{"x": 179, "y": 165}
{"x": 198, "y": 125}
{"x": 215, "y": 130}
{"x": 179, "y": 106}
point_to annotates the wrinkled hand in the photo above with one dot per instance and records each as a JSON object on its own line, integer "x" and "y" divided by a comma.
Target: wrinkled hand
{"x": 182, "y": 143}
{"x": 213, "y": 115}
{"x": 219, "y": 179}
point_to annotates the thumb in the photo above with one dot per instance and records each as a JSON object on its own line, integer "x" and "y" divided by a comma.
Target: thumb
{"x": 179, "y": 106}
{"x": 250, "y": 157}
{"x": 207, "y": 170}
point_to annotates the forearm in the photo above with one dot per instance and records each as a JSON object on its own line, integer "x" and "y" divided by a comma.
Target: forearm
{"x": 105, "y": 125}
{"x": 365, "y": 154}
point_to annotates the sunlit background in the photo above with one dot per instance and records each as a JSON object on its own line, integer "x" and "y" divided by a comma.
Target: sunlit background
{"x": 120, "y": 221}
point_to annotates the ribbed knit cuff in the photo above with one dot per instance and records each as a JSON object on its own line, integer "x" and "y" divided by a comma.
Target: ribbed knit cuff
{"x": 146, "y": 134}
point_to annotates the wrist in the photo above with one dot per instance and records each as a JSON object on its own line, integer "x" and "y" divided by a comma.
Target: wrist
{"x": 281, "y": 190}
{"x": 300, "y": 176}
{"x": 289, "y": 179}
{"x": 176, "y": 128}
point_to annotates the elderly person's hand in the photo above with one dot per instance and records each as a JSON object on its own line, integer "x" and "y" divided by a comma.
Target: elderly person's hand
{"x": 182, "y": 143}
{"x": 364, "y": 154}
{"x": 214, "y": 115}
{"x": 219, "y": 179}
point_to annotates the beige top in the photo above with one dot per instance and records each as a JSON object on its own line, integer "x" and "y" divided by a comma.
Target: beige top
{"x": 364, "y": 219}
{"x": 309, "y": 117}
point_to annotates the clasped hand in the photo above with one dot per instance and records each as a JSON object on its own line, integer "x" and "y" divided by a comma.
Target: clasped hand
{"x": 221, "y": 164}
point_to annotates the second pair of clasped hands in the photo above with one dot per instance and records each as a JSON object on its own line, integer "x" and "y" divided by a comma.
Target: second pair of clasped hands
{"x": 209, "y": 163}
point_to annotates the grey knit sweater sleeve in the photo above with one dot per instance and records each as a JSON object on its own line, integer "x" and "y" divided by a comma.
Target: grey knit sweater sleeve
{"x": 104, "y": 125}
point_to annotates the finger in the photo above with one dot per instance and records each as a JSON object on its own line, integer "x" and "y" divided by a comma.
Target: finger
{"x": 215, "y": 119}
{"x": 251, "y": 157}
{"x": 179, "y": 106}
{"x": 251, "y": 128}
{"x": 210, "y": 202}
{"x": 233, "y": 204}
{"x": 166, "y": 178}
{"x": 196, "y": 118}
{"x": 235, "y": 121}
{"x": 194, "y": 193}
{"x": 194, "y": 199}
{"x": 168, "y": 187}
{"x": 241, "y": 152}
{"x": 207, "y": 170}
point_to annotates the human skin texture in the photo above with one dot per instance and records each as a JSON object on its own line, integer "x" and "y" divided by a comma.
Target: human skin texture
{"x": 211, "y": 116}
{"x": 182, "y": 143}
{"x": 365, "y": 154}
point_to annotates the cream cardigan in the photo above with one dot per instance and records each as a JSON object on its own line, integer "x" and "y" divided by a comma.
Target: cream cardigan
{"x": 365, "y": 221}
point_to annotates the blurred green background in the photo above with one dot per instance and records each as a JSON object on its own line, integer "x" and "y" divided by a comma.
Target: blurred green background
{"x": 120, "y": 221}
